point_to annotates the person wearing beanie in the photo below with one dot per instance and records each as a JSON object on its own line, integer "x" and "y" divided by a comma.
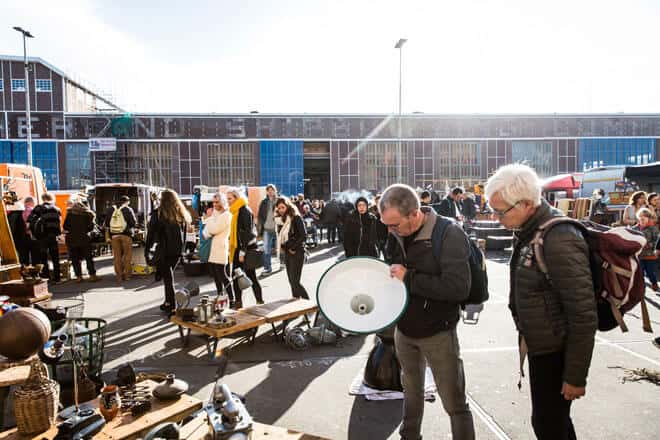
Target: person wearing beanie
{"x": 360, "y": 231}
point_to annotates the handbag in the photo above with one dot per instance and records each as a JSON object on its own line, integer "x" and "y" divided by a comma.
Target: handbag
{"x": 254, "y": 258}
{"x": 204, "y": 250}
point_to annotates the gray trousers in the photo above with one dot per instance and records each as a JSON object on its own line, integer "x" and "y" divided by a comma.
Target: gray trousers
{"x": 442, "y": 353}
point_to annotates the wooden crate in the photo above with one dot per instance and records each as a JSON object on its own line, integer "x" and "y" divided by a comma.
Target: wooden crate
{"x": 16, "y": 288}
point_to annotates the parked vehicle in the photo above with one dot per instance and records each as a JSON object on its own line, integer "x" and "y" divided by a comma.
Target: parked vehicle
{"x": 144, "y": 198}
{"x": 608, "y": 178}
{"x": 23, "y": 180}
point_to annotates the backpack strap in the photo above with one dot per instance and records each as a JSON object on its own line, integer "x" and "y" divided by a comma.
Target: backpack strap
{"x": 539, "y": 237}
{"x": 438, "y": 235}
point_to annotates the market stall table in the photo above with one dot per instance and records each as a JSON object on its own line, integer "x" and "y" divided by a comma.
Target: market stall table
{"x": 248, "y": 320}
{"x": 125, "y": 426}
{"x": 198, "y": 429}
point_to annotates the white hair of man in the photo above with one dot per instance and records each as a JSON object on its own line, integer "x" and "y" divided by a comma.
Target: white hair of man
{"x": 222, "y": 199}
{"x": 401, "y": 197}
{"x": 515, "y": 183}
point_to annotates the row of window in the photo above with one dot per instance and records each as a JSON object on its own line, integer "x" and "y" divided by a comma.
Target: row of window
{"x": 281, "y": 162}
{"x": 18, "y": 85}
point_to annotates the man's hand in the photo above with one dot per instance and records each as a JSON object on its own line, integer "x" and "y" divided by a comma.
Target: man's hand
{"x": 571, "y": 392}
{"x": 292, "y": 252}
{"x": 398, "y": 271}
{"x": 241, "y": 258}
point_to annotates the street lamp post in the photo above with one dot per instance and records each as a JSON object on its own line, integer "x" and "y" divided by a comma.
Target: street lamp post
{"x": 399, "y": 45}
{"x": 27, "y": 34}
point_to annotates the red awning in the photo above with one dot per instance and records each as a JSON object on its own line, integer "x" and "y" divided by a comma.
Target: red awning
{"x": 562, "y": 182}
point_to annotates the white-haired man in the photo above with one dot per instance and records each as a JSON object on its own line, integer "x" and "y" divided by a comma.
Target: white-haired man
{"x": 426, "y": 333}
{"x": 558, "y": 323}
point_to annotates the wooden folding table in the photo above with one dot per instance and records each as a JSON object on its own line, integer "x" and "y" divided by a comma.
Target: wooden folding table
{"x": 248, "y": 320}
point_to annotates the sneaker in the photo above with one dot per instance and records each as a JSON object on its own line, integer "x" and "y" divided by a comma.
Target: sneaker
{"x": 654, "y": 286}
{"x": 79, "y": 280}
{"x": 94, "y": 278}
{"x": 656, "y": 342}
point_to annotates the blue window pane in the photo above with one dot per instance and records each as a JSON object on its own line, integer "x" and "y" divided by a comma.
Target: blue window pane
{"x": 44, "y": 156}
{"x": 78, "y": 165}
{"x": 281, "y": 164}
{"x": 610, "y": 151}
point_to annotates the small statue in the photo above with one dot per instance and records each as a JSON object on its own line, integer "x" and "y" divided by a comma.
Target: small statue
{"x": 32, "y": 273}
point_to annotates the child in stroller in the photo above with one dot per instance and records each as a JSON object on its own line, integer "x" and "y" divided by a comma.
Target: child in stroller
{"x": 310, "y": 220}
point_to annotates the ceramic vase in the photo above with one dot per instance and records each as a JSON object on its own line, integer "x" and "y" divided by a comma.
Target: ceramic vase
{"x": 109, "y": 403}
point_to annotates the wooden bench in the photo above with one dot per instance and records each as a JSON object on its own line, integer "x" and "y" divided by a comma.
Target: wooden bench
{"x": 248, "y": 320}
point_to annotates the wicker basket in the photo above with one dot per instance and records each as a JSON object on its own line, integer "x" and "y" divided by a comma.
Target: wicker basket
{"x": 35, "y": 402}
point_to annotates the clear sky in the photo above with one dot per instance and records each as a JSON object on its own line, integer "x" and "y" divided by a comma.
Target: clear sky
{"x": 308, "y": 56}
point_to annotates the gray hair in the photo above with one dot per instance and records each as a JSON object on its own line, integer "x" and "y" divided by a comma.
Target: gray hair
{"x": 515, "y": 183}
{"x": 401, "y": 197}
{"x": 222, "y": 199}
{"x": 236, "y": 192}
{"x": 646, "y": 212}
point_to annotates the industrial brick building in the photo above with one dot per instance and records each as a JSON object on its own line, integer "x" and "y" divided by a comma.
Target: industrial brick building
{"x": 315, "y": 153}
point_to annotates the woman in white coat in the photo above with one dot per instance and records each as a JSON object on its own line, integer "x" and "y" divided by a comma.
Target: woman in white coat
{"x": 217, "y": 227}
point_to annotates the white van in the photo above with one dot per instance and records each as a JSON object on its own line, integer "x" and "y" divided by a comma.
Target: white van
{"x": 609, "y": 178}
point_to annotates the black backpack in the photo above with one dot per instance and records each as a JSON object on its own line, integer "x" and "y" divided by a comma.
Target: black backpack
{"x": 47, "y": 223}
{"x": 479, "y": 285}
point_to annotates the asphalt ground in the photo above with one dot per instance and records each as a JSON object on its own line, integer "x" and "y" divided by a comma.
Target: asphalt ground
{"x": 308, "y": 391}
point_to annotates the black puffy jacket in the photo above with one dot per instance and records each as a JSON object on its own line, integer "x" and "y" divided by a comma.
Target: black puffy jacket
{"x": 361, "y": 235}
{"x": 78, "y": 223}
{"x": 297, "y": 235}
{"x": 168, "y": 236}
{"x": 556, "y": 319}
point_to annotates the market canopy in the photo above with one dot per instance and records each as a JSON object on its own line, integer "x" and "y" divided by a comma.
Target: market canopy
{"x": 561, "y": 182}
{"x": 644, "y": 171}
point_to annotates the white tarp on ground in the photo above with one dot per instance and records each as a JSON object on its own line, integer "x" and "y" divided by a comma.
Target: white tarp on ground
{"x": 358, "y": 388}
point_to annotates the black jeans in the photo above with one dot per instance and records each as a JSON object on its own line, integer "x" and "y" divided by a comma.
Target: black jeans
{"x": 294, "y": 264}
{"x": 551, "y": 413}
{"x": 332, "y": 232}
{"x": 252, "y": 275}
{"x": 29, "y": 252}
{"x": 77, "y": 254}
{"x": 49, "y": 246}
{"x": 222, "y": 282}
{"x": 166, "y": 270}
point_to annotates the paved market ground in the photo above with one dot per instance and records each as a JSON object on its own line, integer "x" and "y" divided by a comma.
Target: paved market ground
{"x": 308, "y": 391}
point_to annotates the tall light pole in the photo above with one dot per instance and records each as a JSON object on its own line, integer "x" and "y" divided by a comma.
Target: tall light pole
{"x": 399, "y": 45}
{"x": 27, "y": 34}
